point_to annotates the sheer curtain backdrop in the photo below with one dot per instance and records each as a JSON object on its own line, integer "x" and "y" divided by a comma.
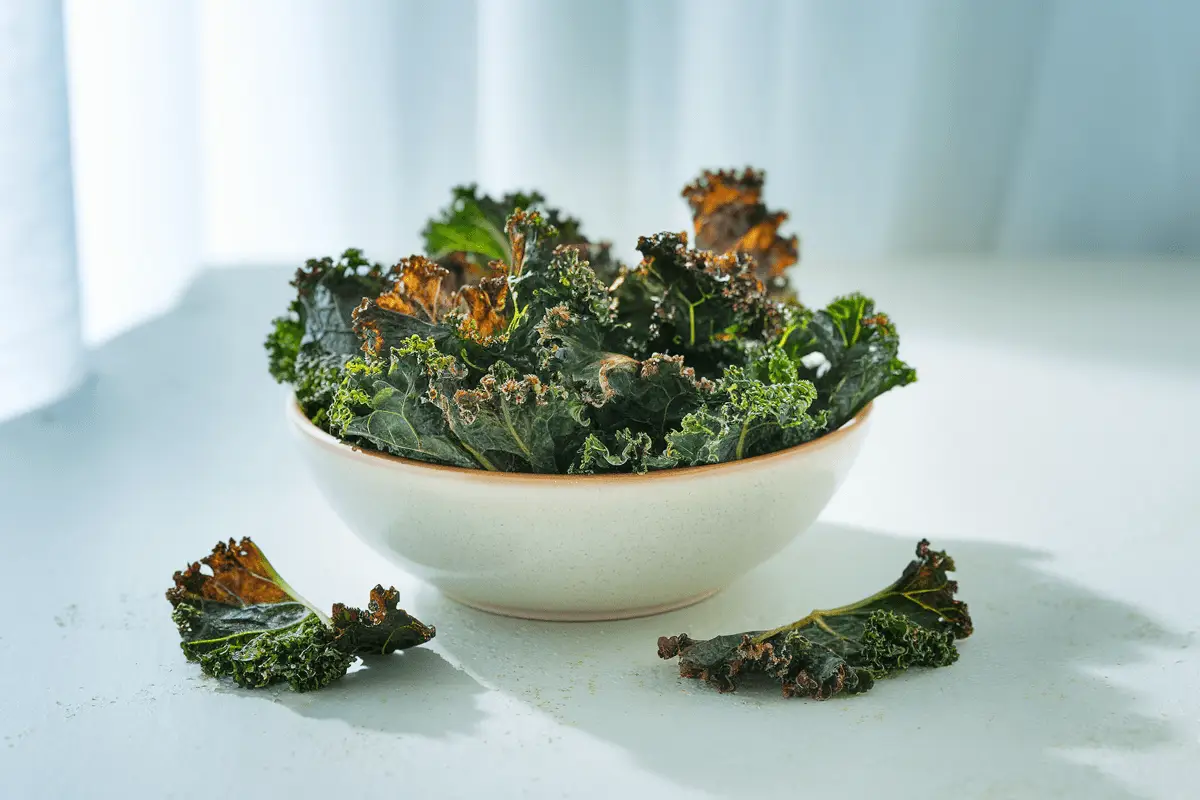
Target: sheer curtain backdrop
{"x": 232, "y": 132}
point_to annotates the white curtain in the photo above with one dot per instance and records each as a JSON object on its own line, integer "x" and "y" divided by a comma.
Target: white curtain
{"x": 266, "y": 131}
{"x": 39, "y": 305}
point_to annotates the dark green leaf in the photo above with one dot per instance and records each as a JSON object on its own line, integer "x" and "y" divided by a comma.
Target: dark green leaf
{"x": 283, "y": 345}
{"x": 388, "y": 405}
{"x": 381, "y": 629}
{"x": 623, "y": 451}
{"x": 308, "y": 347}
{"x": 513, "y": 423}
{"x": 858, "y": 355}
{"x": 694, "y": 303}
{"x": 553, "y": 275}
{"x": 651, "y": 396}
{"x": 241, "y": 620}
{"x": 328, "y": 293}
{"x": 756, "y": 410}
{"x": 911, "y": 623}
{"x": 472, "y": 228}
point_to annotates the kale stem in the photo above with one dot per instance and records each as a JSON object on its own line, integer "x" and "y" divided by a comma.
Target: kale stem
{"x": 276, "y": 578}
{"x": 820, "y": 622}
{"x": 513, "y": 431}
{"x": 518, "y": 313}
{"x": 817, "y": 617}
{"x": 742, "y": 438}
{"x": 462, "y": 353}
{"x": 478, "y": 456}
{"x": 691, "y": 314}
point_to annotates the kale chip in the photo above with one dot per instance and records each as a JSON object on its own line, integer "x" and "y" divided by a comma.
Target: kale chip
{"x": 912, "y": 623}
{"x": 517, "y": 344}
{"x": 310, "y": 344}
{"x": 468, "y": 235}
{"x": 730, "y": 217}
{"x": 241, "y": 620}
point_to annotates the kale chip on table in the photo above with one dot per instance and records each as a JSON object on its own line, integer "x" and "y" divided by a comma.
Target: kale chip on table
{"x": 914, "y": 622}
{"x": 239, "y": 619}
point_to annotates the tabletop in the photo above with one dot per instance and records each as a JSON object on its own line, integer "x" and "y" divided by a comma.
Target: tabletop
{"x": 1049, "y": 446}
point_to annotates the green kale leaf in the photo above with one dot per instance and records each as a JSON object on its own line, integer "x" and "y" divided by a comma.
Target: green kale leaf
{"x": 473, "y": 226}
{"x": 654, "y": 393}
{"x": 754, "y": 410}
{"x": 623, "y": 451}
{"x": 327, "y": 293}
{"x": 308, "y": 346}
{"x": 241, "y": 620}
{"x": 696, "y": 303}
{"x": 387, "y": 405}
{"x": 381, "y": 628}
{"x": 468, "y": 235}
{"x": 640, "y": 400}
{"x": 912, "y": 623}
{"x": 853, "y": 351}
{"x": 513, "y": 423}
{"x": 549, "y": 273}
{"x": 283, "y": 344}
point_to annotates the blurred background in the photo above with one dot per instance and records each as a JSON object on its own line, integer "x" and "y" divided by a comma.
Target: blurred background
{"x": 143, "y": 140}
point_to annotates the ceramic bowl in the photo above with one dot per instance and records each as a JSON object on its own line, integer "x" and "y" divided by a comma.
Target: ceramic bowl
{"x": 578, "y": 547}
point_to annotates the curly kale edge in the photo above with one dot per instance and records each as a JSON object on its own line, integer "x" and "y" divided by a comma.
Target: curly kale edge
{"x": 912, "y": 623}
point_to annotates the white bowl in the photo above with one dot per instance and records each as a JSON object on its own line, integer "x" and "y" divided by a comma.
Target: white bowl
{"x": 579, "y": 547}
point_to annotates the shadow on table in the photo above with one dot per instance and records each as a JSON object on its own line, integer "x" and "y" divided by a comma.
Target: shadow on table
{"x": 416, "y": 692}
{"x": 1007, "y": 720}
{"x": 175, "y": 413}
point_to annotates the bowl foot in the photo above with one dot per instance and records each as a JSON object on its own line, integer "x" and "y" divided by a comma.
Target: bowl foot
{"x": 584, "y": 616}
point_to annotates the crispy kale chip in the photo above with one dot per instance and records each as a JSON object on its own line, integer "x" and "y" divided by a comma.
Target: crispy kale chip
{"x": 386, "y": 404}
{"x": 912, "y": 623}
{"x": 468, "y": 235}
{"x": 696, "y": 303}
{"x": 308, "y": 346}
{"x": 473, "y": 225}
{"x": 241, "y": 620}
{"x": 755, "y": 410}
{"x": 283, "y": 344}
{"x": 513, "y": 423}
{"x": 515, "y": 344}
{"x": 729, "y": 217}
{"x": 421, "y": 404}
{"x": 419, "y": 303}
{"x": 849, "y": 351}
{"x": 623, "y": 451}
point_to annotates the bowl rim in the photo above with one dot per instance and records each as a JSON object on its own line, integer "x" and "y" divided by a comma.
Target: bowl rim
{"x": 330, "y": 442}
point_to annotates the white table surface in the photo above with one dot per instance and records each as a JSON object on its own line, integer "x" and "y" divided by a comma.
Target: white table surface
{"x": 1051, "y": 446}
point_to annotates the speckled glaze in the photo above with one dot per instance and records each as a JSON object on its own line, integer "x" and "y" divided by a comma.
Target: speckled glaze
{"x": 578, "y": 547}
